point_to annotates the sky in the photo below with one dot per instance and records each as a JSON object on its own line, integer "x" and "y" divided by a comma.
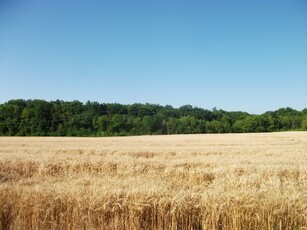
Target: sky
{"x": 234, "y": 55}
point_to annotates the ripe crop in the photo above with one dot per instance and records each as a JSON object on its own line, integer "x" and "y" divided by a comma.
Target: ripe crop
{"x": 218, "y": 181}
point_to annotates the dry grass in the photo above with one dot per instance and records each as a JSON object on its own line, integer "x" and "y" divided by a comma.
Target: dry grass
{"x": 233, "y": 181}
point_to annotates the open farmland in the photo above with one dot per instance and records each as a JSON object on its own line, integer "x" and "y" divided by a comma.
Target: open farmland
{"x": 224, "y": 181}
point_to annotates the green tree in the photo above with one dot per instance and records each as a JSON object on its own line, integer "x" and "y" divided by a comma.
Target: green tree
{"x": 39, "y": 117}
{"x": 188, "y": 125}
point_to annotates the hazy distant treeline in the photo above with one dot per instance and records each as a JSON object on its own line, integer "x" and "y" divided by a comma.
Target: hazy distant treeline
{"x": 61, "y": 118}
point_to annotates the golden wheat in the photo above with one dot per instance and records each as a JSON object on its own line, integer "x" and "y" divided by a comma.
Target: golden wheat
{"x": 229, "y": 181}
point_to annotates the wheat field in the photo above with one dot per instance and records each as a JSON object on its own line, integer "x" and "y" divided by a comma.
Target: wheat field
{"x": 218, "y": 181}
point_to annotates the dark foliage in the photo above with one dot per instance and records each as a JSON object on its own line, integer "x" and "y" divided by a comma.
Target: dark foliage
{"x": 60, "y": 118}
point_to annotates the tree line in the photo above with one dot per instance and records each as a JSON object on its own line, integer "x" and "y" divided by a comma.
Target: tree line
{"x": 73, "y": 118}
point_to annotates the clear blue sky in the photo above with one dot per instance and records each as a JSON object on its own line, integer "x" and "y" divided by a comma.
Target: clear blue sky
{"x": 235, "y": 55}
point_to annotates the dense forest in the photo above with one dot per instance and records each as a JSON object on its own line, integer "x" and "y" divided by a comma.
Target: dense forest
{"x": 61, "y": 118}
